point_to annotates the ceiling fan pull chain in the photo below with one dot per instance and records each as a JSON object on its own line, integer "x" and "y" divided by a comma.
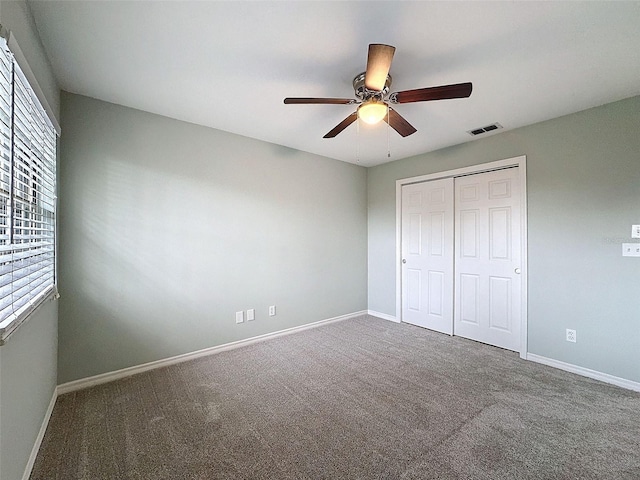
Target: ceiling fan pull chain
{"x": 388, "y": 129}
{"x": 358, "y": 141}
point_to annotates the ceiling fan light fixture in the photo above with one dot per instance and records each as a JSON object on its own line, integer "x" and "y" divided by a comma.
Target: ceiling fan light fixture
{"x": 372, "y": 111}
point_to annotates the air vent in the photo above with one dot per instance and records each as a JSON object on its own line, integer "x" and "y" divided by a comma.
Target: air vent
{"x": 488, "y": 128}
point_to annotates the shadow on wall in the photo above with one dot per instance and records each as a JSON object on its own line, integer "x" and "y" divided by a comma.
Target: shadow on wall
{"x": 167, "y": 229}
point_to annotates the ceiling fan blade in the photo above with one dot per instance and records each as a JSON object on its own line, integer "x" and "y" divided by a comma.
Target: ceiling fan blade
{"x": 378, "y": 65}
{"x": 329, "y": 101}
{"x": 399, "y": 124}
{"x": 459, "y": 90}
{"x": 342, "y": 125}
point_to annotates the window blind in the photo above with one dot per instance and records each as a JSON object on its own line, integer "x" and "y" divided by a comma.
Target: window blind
{"x": 27, "y": 196}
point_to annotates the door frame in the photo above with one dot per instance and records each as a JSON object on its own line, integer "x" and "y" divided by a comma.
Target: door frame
{"x": 521, "y": 163}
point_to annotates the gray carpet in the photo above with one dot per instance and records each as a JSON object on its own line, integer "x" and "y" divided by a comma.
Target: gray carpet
{"x": 358, "y": 399}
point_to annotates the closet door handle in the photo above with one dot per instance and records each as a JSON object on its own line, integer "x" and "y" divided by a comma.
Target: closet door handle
{"x": 517, "y": 270}
{"x": 404, "y": 260}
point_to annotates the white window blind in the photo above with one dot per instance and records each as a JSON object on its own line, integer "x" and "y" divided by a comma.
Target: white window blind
{"x": 27, "y": 197}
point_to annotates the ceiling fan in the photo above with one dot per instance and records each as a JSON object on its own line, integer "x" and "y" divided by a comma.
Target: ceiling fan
{"x": 372, "y": 89}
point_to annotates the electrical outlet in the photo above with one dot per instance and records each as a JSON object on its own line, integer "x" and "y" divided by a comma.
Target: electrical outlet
{"x": 635, "y": 231}
{"x": 251, "y": 314}
{"x": 272, "y": 311}
{"x": 239, "y": 317}
{"x": 571, "y": 335}
{"x": 631, "y": 249}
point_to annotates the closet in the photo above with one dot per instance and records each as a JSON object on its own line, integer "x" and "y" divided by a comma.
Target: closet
{"x": 461, "y": 256}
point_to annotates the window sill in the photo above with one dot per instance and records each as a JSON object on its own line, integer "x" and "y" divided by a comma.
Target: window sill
{"x": 9, "y": 326}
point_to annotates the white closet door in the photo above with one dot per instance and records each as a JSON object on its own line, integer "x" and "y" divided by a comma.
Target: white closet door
{"x": 488, "y": 258}
{"x": 427, "y": 254}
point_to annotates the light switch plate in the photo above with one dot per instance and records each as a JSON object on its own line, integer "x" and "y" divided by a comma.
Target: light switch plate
{"x": 239, "y": 317}
{"x": 631, "y": 249}
{"x": 251, "y": 314}
{"x": 635, "y": 231}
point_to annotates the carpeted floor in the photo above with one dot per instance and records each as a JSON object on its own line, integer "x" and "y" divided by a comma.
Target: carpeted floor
{"x": 359, "y": 399}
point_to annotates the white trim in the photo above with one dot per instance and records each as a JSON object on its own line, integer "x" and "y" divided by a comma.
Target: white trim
{"x": 399, "y": 184}
{"x": 521, "y": 163}
{"x": 585, "y": 372}
{"x": 40, "y": 437}
{"x": 524, "y": 299}
{"x": 129, "y": 371}
{"x": 383, "y": 316}
{"x": 12, "y": 42}
{"x": 14, "y": 322}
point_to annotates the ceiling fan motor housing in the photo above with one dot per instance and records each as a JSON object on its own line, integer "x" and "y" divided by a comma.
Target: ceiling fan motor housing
{"x": 363, "y": 93}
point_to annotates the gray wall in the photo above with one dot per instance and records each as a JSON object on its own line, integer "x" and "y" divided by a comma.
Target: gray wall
{"x": 28, "y": 360}
{"x": 583, "y": 183}
{"x": 28, "y": 378}
{"x": 168, "y": 228}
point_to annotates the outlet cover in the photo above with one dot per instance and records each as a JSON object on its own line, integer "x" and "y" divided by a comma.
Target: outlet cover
{"x": 631, "y": 249}
{"x": 239, "y": 317}
{"x": 635, "y": 231}
{"x": 571, "y": 335}
{"x": 272, "y": 310}
{"x": 251, "y": 314}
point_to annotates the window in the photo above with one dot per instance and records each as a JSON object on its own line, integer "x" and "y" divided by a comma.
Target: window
{"x": 27, "y": 197}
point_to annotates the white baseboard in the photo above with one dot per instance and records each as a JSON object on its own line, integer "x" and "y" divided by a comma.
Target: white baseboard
{"x": 585, "y": 372}
{"x": 40, "y": 437}
{"x": 127, "y": 372}
{"x": 383, "y": 316}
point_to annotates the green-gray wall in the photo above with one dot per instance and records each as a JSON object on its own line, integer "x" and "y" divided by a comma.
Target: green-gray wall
{"x": 168, "y": 228}
{"x": 583, "y": 186}
{"x": 28, "y": 360}
{"x": 28, "y": 377}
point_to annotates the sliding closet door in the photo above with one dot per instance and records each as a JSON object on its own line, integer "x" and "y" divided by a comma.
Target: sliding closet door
{"x": 488, "y": 258}
{"x": 427, "y": 254}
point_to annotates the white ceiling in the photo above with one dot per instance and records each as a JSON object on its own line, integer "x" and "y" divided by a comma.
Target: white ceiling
{"x": 229, "y": 65}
